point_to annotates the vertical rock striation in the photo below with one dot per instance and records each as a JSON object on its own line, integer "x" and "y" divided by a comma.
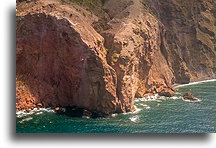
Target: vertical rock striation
{"x": 100, "y": 56}
{"x": 188, "y": 37}
{"x": 62, "y": 65}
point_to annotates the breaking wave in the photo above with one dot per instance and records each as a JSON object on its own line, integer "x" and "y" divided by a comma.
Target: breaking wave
{"x": 134, "y": 118}
{"x": 193, "y": 83}
{"x": 156, "y": 98}
{"x": 35, "y": 111}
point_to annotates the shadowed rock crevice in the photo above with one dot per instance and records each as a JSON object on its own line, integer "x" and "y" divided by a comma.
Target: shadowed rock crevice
{"x": 58, "y": 68}
{"x": 101, "y": 55}
{"x": 188, "y": 28}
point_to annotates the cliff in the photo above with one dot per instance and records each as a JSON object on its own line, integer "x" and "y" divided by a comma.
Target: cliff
{"x": 101, "y": 55}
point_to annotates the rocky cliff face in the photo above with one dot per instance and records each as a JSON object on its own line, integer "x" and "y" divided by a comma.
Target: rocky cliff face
{"x": 100, "y": 55}
{"x": 188, "y": 37}
{"x": 62, "y": 62}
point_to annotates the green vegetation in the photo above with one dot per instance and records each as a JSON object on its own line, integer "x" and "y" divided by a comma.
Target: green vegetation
{"x": 90, "y": 5}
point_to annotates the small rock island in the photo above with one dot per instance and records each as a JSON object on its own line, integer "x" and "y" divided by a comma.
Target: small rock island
{"x": 188, "y": 97}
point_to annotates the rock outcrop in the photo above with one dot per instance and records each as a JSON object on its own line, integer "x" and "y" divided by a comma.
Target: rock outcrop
{"x": 134, "y": 52}
{"x": 188, "y": 38}
{"x": 188, "y": 97}
{"x": 101, "y": 55}
{"x": 62, "y": 62}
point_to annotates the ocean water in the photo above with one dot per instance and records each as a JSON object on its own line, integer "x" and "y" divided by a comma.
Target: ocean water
{"x": 164, "y": 115}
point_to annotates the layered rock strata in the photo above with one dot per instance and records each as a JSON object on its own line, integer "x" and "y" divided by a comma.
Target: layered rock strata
{"x": 101, "y": 56}
{"x": 62, "y": 63}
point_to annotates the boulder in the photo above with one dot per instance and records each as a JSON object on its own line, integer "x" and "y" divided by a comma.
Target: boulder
{"x": 189, "y": 97}
{"x": 57, "y": 109}
{"x": 39, "y": 105}
{"x": 166, "y": 92}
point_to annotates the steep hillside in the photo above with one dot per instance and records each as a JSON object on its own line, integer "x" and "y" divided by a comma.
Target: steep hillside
{"x": 188, "y": 34}
{"x": 101, "y": 55}
{"x": 61, "y": 61}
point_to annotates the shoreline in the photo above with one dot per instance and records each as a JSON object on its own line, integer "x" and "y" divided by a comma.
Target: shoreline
{"x": 147, "y": 98}
{"x": 192, "y": 83}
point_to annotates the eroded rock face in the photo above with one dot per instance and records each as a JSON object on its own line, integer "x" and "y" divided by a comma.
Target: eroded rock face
{"x": 59, "y": 68}
{"x": 136, "y": 48}
{"x": 188, "y": 38}
{"x": 134, "y": 43}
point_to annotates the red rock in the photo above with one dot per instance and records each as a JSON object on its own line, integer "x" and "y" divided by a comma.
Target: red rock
{"x": 189, "y": 96}
{"x": 166, "y": 92}
{"x": 61, "y": 79}
{"x": 57, "y": 109}
{"x": 62, "y": 60}
{"x": 39, "y": 105}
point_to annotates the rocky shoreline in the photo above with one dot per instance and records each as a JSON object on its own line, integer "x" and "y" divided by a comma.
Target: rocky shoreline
{"x": 75, "y": 111}
{"x": 82, "y": 112}
{"x": 100, "y": 56}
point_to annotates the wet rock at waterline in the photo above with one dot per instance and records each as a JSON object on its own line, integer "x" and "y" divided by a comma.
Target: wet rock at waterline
{"x": 78, "y": 112}
{"x": 190, "y": 98}
{"x": 101, "y": 59}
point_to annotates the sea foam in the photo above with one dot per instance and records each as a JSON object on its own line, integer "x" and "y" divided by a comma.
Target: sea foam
{"x": 193, "y": 83}
{"x": 197, "y": 100}
{"x": 137, "y": 110}
{"x": 134, "y": 118}
{"x": 27, "y": 119}
{"x": 156, "y": 98}
{"x": 148, "y": 98}
{"x": 114, "y": 115}
{"x": 35, "y": 111}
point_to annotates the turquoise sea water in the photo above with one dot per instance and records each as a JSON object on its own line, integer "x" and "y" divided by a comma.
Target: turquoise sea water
{"x": 166, "y": 115}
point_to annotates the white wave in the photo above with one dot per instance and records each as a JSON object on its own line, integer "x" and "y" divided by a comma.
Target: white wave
{"x": 127, "y": 113}
{"x": 175, "y": 97}
{"x": 39, "y": 113}
{"x": 114, "y": 115}
{"x": 86, "y": 117}
{"x": 134, "y": 118}
{"x": 163, "y": 98}
{"x": 137, "y": 110}
{"x": 137, "y": 100}
{"x": 148, "y": 107}
{"x": 27, "y": 119}
{"x": 36, "y": 111}
{"x": 63, "y": 109}
{"x": 144, "y": 105}
{"x": 193, "y": 83}
{"x": 148, "y": 98}
{"x": 156, "y": 98}
{"x": 197, "y": 100}
{"x": 19, "y": 112}
{"x": 46, "y": 109}
{"x": 23, "y": 114}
